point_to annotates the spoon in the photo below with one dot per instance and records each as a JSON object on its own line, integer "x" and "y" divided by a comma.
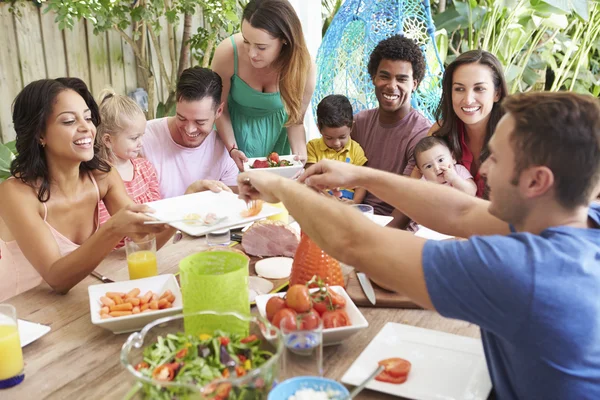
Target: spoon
{"x": 364, "y": 383}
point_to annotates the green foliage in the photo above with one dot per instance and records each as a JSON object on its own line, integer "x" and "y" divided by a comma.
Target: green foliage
{"x": 529, "y": 37}
{"x": 7, "y": 154}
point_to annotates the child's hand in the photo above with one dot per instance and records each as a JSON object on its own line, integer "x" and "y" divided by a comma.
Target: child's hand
{"x": 450, "y": 174}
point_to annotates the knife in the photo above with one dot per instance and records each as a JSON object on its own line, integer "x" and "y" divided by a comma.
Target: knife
{"x": 101, "y": 277}
{"x": 367, "y": 287}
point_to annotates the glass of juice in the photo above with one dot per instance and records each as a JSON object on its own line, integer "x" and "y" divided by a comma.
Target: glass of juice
{"x": 11, "y": 359}
{"x": 141, "y": 257}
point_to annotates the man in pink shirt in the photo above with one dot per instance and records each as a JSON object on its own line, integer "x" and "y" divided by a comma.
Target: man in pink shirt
{"x": 185, "y": 148}
{"x": 388, "y": 134}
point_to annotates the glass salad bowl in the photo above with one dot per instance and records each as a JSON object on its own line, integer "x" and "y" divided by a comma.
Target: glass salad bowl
{"x": 168, "y": 362}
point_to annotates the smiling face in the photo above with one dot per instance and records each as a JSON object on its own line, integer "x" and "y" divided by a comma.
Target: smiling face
{"x": 194, "y": 121}
{"x": 473, "y": 93}
{"x": 336, "y": 138}
{"x": 127, "y": 144}
{"x": 262, "y": 48}
{"x": 432, "y": 162}
{"x": 70, "y": 131}
{"x": 394, "y": 84}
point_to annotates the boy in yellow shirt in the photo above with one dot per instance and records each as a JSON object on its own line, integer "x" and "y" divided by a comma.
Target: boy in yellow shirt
{"x": 334, "y": 119}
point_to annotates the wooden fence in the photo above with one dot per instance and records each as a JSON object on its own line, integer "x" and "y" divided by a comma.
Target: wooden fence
{"x": 32, "y": 47}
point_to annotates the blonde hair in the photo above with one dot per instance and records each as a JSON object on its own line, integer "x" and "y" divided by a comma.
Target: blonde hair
{"x": 113, "y": 109}
{"x": 281, "y": 21}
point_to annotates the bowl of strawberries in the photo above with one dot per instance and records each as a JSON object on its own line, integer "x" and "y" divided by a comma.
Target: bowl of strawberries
{"x": 341, "y": 318}
{"x": 285, "y": 166}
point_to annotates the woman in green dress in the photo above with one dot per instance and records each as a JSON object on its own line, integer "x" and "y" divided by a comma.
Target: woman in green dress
{"x": 268, "y": 80}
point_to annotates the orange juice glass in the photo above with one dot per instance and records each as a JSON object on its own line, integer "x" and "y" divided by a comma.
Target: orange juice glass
{"x": 141, "y": 258}
{"x": 11, "y": 361}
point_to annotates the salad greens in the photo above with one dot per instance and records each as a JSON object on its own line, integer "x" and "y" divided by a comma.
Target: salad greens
{"x": 202, "y": 361}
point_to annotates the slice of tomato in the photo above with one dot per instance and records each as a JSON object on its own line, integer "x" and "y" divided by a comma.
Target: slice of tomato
{"x": 396, "y": 367}
{"x": 385, "y": 377}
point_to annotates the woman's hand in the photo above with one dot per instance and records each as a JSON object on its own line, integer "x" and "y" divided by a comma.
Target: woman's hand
{"x": 204, "y": 184}
{"x": 239, "y": 158}
{"x": 129, "y": 221}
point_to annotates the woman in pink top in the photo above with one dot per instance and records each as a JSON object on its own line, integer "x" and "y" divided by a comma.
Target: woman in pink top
{"x": 472, "y": 89}
{"x": 49, "y": 209}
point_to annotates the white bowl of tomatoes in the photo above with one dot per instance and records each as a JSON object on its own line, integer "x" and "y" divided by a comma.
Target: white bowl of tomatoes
{"x": 285, "y": 166}
{"x": 341, "y": 318}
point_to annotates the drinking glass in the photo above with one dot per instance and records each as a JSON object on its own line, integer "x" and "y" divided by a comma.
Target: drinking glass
{"x": 303, "y": 348}
{"x": 11, "y": 359}
{"x": 141, "y": 257}
{"x": 218, "y": 238}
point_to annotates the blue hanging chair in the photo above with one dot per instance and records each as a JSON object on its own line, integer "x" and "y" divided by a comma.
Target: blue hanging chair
{"x": 353, "y": 34}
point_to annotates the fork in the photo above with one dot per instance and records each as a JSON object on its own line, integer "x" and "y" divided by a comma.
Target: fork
{"x": 101, "y": 277}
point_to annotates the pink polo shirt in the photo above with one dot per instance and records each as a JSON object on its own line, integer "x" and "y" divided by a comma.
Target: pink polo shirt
{"x": 177, "y": 166}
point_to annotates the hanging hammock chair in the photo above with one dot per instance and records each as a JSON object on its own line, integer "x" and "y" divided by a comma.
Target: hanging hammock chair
{"x": 355, "y": 31}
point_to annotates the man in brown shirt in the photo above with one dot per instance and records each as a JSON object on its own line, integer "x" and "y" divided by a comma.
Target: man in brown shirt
{"x": 388, "y": 134}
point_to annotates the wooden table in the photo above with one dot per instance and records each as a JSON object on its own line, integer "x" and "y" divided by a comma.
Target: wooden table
{"x": 78, "y": 360}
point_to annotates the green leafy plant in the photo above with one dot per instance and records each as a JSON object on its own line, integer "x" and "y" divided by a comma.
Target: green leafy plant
{"x": 7, "y": 154}
{"x": 144, "y": 17}
{"x": 529, "y": 37}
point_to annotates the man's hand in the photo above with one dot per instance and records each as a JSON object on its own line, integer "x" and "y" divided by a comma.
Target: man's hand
{"x": 331, "y": 175}
{"x": 260, "y": 185}
{"x": 203, "y": 185}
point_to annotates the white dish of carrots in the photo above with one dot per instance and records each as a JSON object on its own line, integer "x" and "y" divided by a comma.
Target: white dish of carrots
{"x": 128, "y": 306}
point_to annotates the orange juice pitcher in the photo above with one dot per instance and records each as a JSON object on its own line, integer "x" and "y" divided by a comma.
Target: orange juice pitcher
{"x": 310, "y": 260}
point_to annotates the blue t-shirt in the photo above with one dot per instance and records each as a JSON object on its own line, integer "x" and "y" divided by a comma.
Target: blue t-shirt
{"x": 537, "y": 301}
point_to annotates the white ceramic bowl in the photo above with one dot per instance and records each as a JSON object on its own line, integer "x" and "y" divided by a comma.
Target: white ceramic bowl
{"x": 331, "y": 336}
{"x": 129, "y": 323}
{"x": 286, "y": 172}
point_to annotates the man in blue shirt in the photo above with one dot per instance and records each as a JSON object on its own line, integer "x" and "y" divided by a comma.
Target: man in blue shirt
{"x": 529, "y": 272}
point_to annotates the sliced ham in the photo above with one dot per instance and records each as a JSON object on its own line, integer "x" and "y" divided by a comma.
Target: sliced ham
{"x": 270, "y": 239}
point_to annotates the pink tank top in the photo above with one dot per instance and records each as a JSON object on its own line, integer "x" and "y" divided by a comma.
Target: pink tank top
{"x": 17, "y": 275}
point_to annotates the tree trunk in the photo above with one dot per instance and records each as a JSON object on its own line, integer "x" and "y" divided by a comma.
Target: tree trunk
{"x": 208, "y": 52}
{"x": 184, "y": 54}
{"x": 441, "y": 6}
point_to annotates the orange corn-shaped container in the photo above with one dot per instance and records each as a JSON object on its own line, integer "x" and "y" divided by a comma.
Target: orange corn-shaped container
{"x": 310, "y": 260}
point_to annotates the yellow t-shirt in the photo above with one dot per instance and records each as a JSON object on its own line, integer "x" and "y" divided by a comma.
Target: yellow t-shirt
{"x": 352, "y": 153}
{"x": 318, "y": 150}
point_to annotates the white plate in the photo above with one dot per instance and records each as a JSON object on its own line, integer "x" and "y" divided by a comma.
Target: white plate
{"x": 258, "y": 286}
{"x": 223, "y": 204}
{"x": 427, "y": 233}
{"x": 286, "y": 172}
{"x": 382, "y": 220}
{"x": 30, "y": 331}
{"x": 444, "y": 366}
{"x": 130, "y": 323}
{"x": 332, "y": 335}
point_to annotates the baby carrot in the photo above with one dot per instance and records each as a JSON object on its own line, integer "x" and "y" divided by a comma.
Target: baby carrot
{"x": 144, "y": 307}
{"x": 111, "y": 294}
{"x": 105, "y": 316}
{"x": 119, "y": 313}
{"x": 104, "y": 310}
{"x": 146, "y": 298}
{"x": 133, "y": 300}
{"x": 117, "y": 299}
{"x": 171, "y": 298}
{"x": 136, "y": 310}
{"x": 154, "y": 297}
{"x": 162, "y": 303}
{"x": 133, "y": 292}
{"x": 122, "y": 307}
{"x": 107, "y": 301}
{"x": 166, "y": 294}
{"x": 154, "y": 305}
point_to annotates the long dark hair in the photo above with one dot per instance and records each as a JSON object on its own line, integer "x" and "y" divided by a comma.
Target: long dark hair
{"x": 445, "y": 113}
{"x": 31, "y": 110}
{"x": 281, "y": 21}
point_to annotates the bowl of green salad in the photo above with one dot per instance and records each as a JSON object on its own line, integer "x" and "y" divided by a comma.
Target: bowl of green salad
{"x": 204, "y": 355}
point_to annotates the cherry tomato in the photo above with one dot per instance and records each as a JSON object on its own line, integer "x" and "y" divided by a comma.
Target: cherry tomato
{"x": 287, "y": 315}
{"x": 337, "y": 300}
{"x": 274, "y": 304}
{"x": 335, "y": 319}
{"x": 223, "y": 391}
{"x": 224, "y": 340}
{"x": 181, "y": 353}
{"x": 327, "y": 300}
{"x": 396, "y": 367}
{"x": 386, "y": 377}
{"x": 165, "y": 372}
{"x": 240, "y": 371}
{"x": 309, "y": 320}
{"x": 298, "y": 298}
{"x": 249, "y": 339}
{"x": 142, "y": 365}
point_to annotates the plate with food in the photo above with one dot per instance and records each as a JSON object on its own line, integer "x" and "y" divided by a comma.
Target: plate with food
{"x": 285, "y": 166}
{"x": 201, "y": 213}
{"x": 423, "y": 364}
